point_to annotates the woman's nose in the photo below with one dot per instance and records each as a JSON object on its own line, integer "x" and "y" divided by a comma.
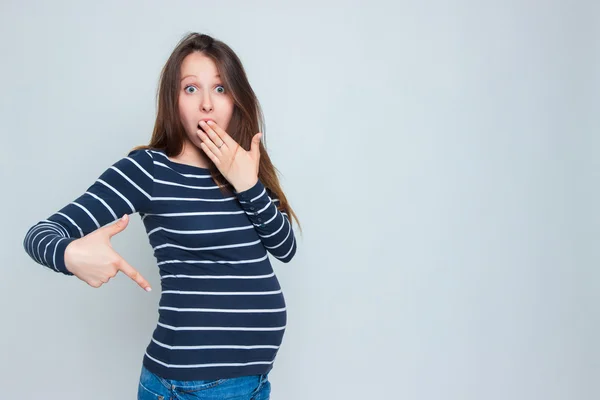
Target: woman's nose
{"x": 207, "y": 105}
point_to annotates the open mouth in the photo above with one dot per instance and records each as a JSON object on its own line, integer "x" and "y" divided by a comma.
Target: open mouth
{"x": 200, "y": 127}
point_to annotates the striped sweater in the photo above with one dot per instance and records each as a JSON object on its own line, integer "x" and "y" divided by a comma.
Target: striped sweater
{"x": 221, "y": 313}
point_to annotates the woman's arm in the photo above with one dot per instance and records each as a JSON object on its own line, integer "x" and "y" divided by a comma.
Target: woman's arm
{"x": 123, "y": 188}
{"x": 273, "y": 226}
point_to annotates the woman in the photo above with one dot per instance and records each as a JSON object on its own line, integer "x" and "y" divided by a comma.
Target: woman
{"x": 213, "y": 209}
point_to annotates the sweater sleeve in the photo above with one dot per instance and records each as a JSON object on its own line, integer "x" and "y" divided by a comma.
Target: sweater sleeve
{"x": 123, "y": 188}
{"x": 272, "y": 225}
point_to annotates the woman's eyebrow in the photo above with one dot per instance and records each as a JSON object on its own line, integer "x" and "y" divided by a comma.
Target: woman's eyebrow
{"x": 187, "y": 76}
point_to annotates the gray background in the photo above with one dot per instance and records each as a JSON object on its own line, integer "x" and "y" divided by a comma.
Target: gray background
{"x": 442, "y": 157}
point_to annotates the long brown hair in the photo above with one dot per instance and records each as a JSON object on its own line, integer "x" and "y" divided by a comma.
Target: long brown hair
{"x": 247, "y": 118}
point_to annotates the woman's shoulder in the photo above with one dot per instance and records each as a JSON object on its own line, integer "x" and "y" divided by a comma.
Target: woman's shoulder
{"x": 141, "y": 152}
{"x": 142, "y": 149}
{"x": 141, "y": 156}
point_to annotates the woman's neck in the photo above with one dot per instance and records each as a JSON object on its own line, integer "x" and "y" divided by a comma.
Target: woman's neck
{"x": 192, "y": 155}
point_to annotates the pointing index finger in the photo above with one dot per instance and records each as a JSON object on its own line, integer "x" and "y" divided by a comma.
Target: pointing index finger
{"x": 131, "y": 272}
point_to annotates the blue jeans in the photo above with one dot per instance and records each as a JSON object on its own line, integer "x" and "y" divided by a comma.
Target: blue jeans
{"x": 153, "y": 387}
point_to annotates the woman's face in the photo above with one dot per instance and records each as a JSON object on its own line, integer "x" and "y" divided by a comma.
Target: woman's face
{"x": 201, "y": 95}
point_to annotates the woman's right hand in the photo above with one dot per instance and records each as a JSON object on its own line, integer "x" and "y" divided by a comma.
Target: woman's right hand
{"x": 93, "y": 260}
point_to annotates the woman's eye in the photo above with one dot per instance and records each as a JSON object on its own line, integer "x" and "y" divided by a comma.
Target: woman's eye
{"x": 190, "y": 86}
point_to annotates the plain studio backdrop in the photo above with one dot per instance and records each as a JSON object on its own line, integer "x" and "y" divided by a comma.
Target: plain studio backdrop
{"x": 441, "y": 156}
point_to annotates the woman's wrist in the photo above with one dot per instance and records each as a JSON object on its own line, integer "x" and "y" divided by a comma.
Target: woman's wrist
{"x": 245, "y": 186}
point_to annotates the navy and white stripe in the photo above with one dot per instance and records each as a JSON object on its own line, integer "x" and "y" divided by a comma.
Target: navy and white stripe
{"x": 222, "y": 313}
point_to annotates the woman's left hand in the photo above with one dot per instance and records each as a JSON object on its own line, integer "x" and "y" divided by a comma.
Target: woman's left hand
{"x": 238, "y": 166}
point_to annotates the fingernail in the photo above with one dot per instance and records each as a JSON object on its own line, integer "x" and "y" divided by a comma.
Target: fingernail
{"x": 123, "y": 217}
{"x": 148, "y": 289}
